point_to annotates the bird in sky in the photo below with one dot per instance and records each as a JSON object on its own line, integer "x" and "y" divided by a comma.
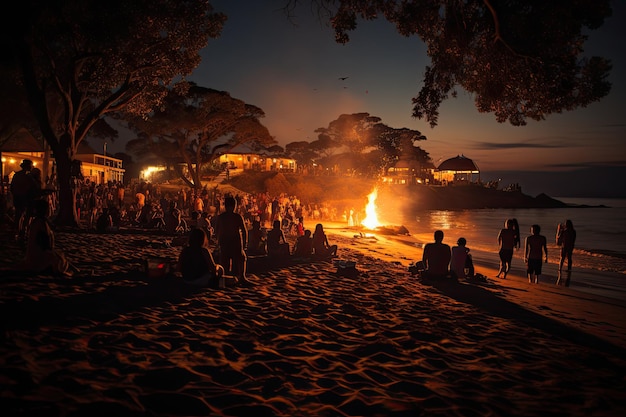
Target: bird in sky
{"x": 343, "y": 78}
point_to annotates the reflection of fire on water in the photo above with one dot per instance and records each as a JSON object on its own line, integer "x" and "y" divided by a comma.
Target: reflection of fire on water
{"x": 371, "y": 219}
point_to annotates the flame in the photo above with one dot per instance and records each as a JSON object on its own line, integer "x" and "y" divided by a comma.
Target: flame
{"x": 371, "y": 219}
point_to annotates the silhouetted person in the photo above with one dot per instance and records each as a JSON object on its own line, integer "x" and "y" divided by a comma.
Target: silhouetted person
{"x": 461, "y": 260}
{"x": 23, "y": 189}
{"x": 508, "y": 239}
{"x": 436, "y": 257}
{"x": 321, "y": 247}
{"x": 196, "y": 263}
{"x": 104, "y": 223}
{"x": 277, "y": 245}
{"x": 535, "y": 246}
{"x": 566, "y": 239}
{"x": 257, "y": 240}
{"x": 41, "y": 254}
{"x": 304, "y": 245}
{"x": 232, "y": 237}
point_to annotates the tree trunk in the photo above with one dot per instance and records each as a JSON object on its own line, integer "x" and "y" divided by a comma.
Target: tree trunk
{"x": 67, "y": 215}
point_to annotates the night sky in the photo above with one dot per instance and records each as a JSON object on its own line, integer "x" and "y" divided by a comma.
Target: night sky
{"x": 291, "y": 69}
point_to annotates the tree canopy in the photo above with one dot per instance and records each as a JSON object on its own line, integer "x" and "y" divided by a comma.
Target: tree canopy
{"x": 197, "y": 125}
{"x": 368, "y": 145}
{"x": 82, "y": 60}
{"x": 519, "y": 59}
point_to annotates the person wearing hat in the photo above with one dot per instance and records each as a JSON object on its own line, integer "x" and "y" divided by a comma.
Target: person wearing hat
{"x": 23, "y": 186}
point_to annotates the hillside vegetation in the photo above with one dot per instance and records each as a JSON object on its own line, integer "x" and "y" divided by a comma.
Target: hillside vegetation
{"x": 353, "y": 192}
{"x": 308, "y": 188}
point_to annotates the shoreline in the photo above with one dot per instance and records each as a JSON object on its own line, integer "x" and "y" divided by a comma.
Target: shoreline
{"x": 304, "y": 340}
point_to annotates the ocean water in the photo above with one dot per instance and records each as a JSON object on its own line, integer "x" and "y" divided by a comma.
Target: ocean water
{"x": 599, "y": 259}
{"x": 600, "y": 228}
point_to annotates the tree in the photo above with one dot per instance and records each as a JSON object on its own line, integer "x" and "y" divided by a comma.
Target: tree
{"x": 197, "y": 125}
{"x": 371, "y": 144}
{"x": 395, "y": 143}
{"x": 355, "y": 131}
{"x": 519, "y": 59}
{"x": 91, "y": 58}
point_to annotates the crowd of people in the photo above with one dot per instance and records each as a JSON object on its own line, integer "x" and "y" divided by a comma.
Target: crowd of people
{"x": 232, "y": 226}
{"x": 221, "y": 230}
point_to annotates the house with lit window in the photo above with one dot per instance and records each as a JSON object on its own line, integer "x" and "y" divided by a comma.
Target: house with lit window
{"x": 22, "y": 145}
{"x": 243, "y": 158}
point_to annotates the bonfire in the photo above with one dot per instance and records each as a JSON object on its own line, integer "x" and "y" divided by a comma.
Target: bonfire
{"x": 371, "y": 221}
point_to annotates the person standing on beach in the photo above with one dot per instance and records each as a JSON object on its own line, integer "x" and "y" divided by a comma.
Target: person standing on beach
{"x": 536, "y": 245}
{"x": 508, "y": 239}
{"x": 566, "y": 239}
{"x": 436, "y": 257}
{"x": 232, "y": 236}
{"x": 22, "y": 188}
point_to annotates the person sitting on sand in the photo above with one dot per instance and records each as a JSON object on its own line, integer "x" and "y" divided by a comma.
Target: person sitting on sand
{"x": 535, "y": 245}
{"x": 104, "y": 222}
{"x": 321, "y": 247}
{"x": 174, "y": 223}
{"x": 304, "y": 245}
{"x": 508, "y": 239}
{"x": 41, "y": 254}
{"x": 461, "y": 260}
{"x": 232, "y": 236}
{"x": 277, "y": 245}
{"x": 436, "y": 257}
{"x": 196, "y": 263}
{"x": 257, "y": 240}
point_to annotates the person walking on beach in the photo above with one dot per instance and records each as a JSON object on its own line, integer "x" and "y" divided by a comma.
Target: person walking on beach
{"x": 436, "y": 257}
{"x": 508, "y": 239}
{"x": 536, "y": 245}
{"x": 566, "y": 239}
{"x": 23, "y": 186}
{"x": 321, "y": 247}
{"x": 232, "y": 236}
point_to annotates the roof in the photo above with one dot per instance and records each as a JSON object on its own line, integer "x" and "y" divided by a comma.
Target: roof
{"x": 458, "y": 163}
{"x": 21, "y": 141}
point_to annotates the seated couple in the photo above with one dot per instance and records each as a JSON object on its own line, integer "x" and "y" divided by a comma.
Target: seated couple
{"x": 442, "y": 262}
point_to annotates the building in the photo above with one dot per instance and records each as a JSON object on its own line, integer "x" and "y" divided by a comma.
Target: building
{"x": 257, "y": 162}
{"x": 408, "y": 170}
{"x": 22, "y": 145}
{"x": 100, "y": 168}
{"x": 458, "y": 170}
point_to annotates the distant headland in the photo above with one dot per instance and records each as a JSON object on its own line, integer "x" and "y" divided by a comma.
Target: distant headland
{"x": 340, "y": 190}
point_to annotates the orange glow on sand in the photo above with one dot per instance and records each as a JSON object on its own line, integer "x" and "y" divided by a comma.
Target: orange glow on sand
{"x": 371, "y": 219}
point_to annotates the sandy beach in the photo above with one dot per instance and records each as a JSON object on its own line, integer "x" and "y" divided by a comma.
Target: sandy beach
{"x": 303, "y": 341}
